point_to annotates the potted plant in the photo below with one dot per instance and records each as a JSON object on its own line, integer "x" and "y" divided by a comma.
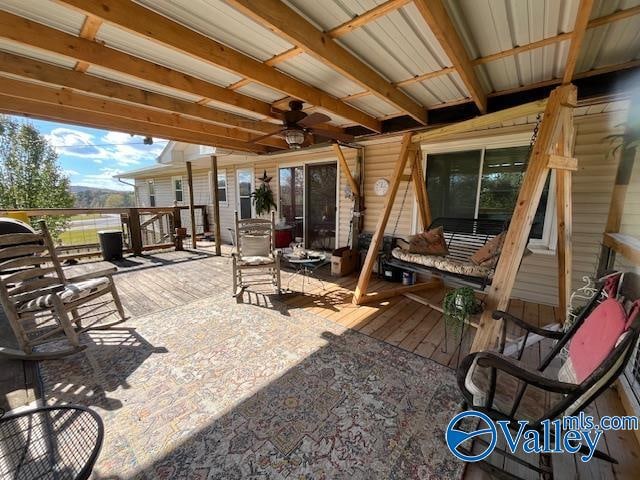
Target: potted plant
{"x": 458, "y": 305}
{"x": 263, "y": 199}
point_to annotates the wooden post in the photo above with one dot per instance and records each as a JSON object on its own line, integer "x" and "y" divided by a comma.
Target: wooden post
{"x": 564, "y": 213}
{"x": 420, "y": 189}
{"x": 177, "y": 223}
{"x": 216, "y": 203}
{"x": 135, "y": 232}
{"x": 561, "y": 101}
{"x": 376, "y": 240}
{"x": 192, "y": 211}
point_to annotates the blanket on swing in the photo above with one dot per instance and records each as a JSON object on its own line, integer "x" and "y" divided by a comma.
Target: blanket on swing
{"x": 443, "y": 264}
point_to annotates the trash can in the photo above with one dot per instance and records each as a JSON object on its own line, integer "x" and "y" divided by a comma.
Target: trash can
{"x": 111, "y": 244}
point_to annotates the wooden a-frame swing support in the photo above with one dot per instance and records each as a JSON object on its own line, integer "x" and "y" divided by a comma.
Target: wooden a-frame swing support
{"x": 552, "y": 150}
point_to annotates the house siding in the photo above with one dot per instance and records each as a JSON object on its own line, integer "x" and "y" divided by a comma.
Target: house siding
{"x": 537, "y": 278}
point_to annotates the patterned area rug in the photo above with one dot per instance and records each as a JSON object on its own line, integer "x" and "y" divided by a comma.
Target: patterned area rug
{"x": 221, "y": 390}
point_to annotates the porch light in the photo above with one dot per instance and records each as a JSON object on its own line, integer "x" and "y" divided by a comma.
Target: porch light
{"x": 294, "y": 138}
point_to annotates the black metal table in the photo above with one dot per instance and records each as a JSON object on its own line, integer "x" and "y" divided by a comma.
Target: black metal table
{"x": 60, "y": 442}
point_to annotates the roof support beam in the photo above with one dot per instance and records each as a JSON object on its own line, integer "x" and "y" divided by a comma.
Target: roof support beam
{"x": 88, "y": 52}
{"x": 59, "y": 113}
{"x": 288, "y": 24}
{"x": 437, "y": 18}
{"x": 44, "y": 72}
{"x": 158, "y": 28}
{"x": 347, "y": 27}
{"x": 66, "y": 97}
{"x": 579, "y": 30}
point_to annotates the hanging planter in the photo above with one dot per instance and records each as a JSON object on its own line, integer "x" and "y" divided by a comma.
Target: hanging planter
{"x": 262, "y": 197}
{"x": 458, "y": 305}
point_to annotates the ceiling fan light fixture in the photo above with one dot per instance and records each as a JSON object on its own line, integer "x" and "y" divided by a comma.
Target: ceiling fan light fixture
{"x": 294, "y": 138}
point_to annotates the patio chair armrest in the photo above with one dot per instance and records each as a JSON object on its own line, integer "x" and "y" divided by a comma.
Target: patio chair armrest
{"x": 520, "y": 371}
{"x": 106, "y": 272}
{"x": 500, "y": 315}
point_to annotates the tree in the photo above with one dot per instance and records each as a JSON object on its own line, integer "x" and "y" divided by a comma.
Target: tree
{"x": 30, "y": 176}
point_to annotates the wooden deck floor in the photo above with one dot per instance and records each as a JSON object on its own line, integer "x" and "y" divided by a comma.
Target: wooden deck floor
{"x": 166, "y": 279}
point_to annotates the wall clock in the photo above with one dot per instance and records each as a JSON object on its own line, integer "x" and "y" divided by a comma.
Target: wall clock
{"x": 381, "y": 187}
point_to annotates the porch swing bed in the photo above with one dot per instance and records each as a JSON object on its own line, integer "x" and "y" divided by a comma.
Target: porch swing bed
{"x": 464, "y": 236}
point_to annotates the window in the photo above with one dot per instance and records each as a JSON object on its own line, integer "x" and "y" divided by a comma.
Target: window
{"x": 245, "y": 185}
{"x": 152, "y": 193}
{"x": 482, "y": 183}
{"x": 177, "y": 189}
{"x": 222, "y": 186}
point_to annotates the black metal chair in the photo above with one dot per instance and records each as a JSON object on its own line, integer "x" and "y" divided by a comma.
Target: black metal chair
{"x": 505, "y": 388}
{"x": 61, "y": 442}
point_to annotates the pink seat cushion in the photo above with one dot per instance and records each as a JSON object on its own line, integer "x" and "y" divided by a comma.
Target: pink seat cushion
{"x": 596, "y": 338}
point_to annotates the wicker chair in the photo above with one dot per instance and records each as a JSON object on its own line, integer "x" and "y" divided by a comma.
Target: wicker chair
{"x": 255, "y": 254}
{"x": 41, "y": 303}
{"x": 504, "y": 388}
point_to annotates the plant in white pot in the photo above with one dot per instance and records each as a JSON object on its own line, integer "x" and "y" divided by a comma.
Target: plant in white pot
{"x": 458, "y": 305}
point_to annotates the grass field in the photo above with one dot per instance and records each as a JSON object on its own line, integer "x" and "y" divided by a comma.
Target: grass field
{"x": 78, "y": 237}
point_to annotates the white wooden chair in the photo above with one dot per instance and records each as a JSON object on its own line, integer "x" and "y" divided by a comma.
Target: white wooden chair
{"x": 255, "y": 253}
{"x": 41, "y": 303}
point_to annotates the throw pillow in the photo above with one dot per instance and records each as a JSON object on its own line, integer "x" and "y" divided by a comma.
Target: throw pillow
{"x": 431, "y": 242}
{"x": 487, "y": 255}
{"x": 256, "y": 246}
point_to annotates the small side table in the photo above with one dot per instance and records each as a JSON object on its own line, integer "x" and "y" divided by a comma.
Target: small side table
{"x": 306, "y": 267}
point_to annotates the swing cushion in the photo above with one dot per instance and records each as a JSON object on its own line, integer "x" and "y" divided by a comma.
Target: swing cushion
{"x": 594, "y": 341}
{"x": 70, "y": 293}
{"x": 431, "y": 242}
{"x": 443, "y": 264}
{"x": 489, "y": 253}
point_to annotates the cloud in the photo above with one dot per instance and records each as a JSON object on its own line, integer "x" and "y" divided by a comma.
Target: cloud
{"x": 69, "y": 172}
{"x": 103, "y": 179}
{"x": 112, "y": 148}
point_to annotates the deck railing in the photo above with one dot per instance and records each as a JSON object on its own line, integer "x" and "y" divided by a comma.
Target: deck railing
{"x": 75, "y": 230}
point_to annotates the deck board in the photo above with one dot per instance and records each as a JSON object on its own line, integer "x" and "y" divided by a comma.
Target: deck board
{"x": 166, "y": 279}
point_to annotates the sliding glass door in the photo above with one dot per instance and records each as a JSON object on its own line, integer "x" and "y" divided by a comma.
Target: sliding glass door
{"x": 320, "y": 219}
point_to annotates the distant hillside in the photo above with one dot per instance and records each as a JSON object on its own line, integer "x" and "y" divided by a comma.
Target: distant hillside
{"x": 90, "y": 197}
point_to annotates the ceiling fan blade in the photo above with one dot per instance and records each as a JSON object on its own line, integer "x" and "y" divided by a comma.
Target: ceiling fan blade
{"x": 262, "y": 137}
{"x": 291, "y": 117}
{"x": 343, "y": 137}
{"x": 314, "y": 119}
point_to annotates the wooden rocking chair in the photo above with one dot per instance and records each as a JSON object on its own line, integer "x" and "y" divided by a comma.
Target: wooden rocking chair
{"x": 256, "y": 253}
{"x": 600, "y": 342}
{"x": 41, "y": 303}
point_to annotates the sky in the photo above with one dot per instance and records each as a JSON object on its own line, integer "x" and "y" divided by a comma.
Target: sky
{"x": 90, "y": 157}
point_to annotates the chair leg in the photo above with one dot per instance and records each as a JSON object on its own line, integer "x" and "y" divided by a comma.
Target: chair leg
{"x": 116, "y": 300}
{"x": 75, "y": 318}
{"x": 65, "y": 322}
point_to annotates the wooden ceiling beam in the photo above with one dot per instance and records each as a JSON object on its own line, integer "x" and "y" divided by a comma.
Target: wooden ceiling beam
{"x": 88, "y": 52}
{"x": 288, "y": 24}
{"x": 63, "y": 77}
{"x": 70, "y": 98}
{"x": 66, "y": 114}
{"x": 160, "y": 29}
{"x": 346, "y": 27}
{"x": 437, "y": 18}
{"x": 577, "y": 36}
{"x": 614, "y": 17}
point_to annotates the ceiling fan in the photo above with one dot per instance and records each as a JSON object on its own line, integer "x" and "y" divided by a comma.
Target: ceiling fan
{"x": 297, "y": 126}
